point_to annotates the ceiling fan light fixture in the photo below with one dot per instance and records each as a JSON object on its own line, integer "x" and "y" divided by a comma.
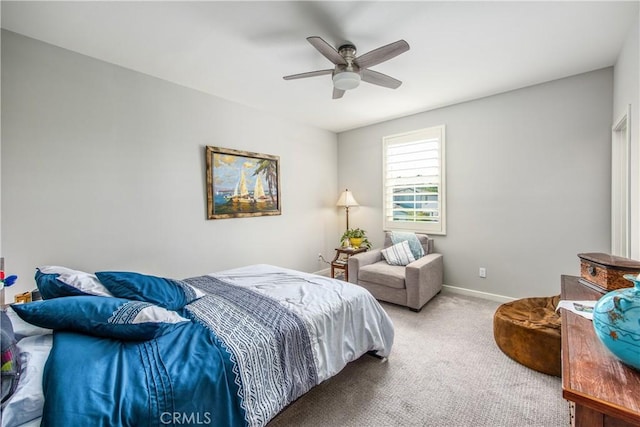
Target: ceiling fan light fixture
{"x": 349, "y": 70}
{"x": 346, "y": 80}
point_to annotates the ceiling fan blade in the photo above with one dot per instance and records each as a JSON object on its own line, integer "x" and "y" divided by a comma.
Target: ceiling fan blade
{"x": 382, "y": 54}
{"x": 380, "y": 79}
{"x": 327, "y": 50}
{"x": 337, "y": 93}
{"x": 309, "y": 74}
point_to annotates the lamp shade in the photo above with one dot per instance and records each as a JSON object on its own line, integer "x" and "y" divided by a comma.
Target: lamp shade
{"x": 346, "y": 80}
{"x": 346, "y": 199}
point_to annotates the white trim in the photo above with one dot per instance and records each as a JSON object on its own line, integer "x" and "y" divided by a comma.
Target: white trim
{"x": 477, "y": 294}
{"x": 621, "y": 186}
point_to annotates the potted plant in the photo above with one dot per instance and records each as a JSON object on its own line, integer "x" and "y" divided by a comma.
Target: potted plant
{"x": 356, "y": 237}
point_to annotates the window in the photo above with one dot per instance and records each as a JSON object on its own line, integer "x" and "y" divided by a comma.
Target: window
{"x": 414, "y": 181}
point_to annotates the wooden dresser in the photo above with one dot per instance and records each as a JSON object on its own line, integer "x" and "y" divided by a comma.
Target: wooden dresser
{"x": 606, "y": 392}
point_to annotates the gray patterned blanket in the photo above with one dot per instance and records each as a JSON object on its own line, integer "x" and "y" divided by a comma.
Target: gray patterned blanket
{"x": 269, "y": 344}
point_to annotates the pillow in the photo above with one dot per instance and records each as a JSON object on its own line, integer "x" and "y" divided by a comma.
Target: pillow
{"x": 27, "y": 402}
{"x": 5, "y": 323}
{"x": 21, "y": 328}
{"x": 54, "y": 282}
{"x": 398, "y": 254}
{"x": 414, "y": 242}
{"x": 168, "y": 293}
{"x": 101, "y": 316}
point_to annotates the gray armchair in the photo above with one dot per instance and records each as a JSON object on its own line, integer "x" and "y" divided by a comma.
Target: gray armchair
{"x": 411, "y": 285}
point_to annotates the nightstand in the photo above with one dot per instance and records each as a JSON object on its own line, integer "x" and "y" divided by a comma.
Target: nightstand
{"x": 339, "y": 264}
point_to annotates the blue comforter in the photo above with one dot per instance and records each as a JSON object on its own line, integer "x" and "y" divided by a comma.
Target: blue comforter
{"x": 240, "y": 360}
{"x": 182, "y": 378}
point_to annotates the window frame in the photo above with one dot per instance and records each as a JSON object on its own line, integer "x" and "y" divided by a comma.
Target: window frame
{"x": 433, "y": 132}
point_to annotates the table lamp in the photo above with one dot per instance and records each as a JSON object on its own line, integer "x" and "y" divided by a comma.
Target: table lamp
{"x": 347, "y": 200}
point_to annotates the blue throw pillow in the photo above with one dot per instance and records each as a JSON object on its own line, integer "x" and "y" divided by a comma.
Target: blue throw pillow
{"x": 54, "y": 282}
{"x": 414, "y": 242}
{"x": 168, "y": 293}
{"x": 101, "y": 316}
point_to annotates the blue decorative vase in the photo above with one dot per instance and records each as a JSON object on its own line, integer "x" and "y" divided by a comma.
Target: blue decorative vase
{"x": 616, "y": 320}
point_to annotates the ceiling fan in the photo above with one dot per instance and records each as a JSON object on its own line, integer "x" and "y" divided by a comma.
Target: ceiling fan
{"x": 349, "y": 70}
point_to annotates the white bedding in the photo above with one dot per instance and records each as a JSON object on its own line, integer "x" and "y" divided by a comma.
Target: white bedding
{"x": 344, "y": 320}
{"x": 26, "y": 403}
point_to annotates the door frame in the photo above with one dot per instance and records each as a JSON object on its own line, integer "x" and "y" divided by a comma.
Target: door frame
{"x": 621, "y": 186}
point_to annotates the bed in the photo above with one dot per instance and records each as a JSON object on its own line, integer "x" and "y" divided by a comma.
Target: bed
{"x": 231, "y": 348}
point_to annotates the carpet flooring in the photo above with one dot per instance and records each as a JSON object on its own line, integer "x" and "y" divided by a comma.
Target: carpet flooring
{"x": 444, "y": 370}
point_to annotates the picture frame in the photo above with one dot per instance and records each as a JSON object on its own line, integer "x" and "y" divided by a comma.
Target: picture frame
{"x": 242, "y": 184}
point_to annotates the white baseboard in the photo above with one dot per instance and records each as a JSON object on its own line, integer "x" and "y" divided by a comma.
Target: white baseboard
{"x": 478, "y": 294}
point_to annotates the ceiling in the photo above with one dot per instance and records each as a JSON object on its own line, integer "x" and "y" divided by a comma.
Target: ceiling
{"x": 240, "y": 50}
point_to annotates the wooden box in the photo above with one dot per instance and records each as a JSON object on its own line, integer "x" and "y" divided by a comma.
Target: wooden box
{"x": 22, "y": 298}
{"x": 607, "y": 271}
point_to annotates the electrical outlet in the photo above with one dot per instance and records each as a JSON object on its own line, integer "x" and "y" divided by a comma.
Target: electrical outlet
{"x": 483, "y": 272}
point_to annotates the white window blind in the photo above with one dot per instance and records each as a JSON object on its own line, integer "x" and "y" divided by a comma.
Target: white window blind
{"x": 414, "y": 181}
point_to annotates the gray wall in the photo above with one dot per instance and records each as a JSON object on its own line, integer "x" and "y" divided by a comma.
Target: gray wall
{"x": 104, "y": 168}
{"x": 528, "y": 182}
{"x": 627, "y": 92}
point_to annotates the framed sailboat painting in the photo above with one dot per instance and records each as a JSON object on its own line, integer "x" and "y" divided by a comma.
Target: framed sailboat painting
{"x": 242, "y": 184}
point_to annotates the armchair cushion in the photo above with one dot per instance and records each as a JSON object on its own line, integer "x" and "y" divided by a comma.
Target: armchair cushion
{"x": 383, "y": 274}
{"x": 398, "y": 254}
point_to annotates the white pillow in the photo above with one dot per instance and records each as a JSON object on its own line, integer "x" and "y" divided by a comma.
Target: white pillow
{"x": 398, "y": 254}
{"x": 85, "y": 282}
{"x": 27, "y": 402}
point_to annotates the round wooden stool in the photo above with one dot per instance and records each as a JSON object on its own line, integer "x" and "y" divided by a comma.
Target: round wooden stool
{"x": 528, "y": 331}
